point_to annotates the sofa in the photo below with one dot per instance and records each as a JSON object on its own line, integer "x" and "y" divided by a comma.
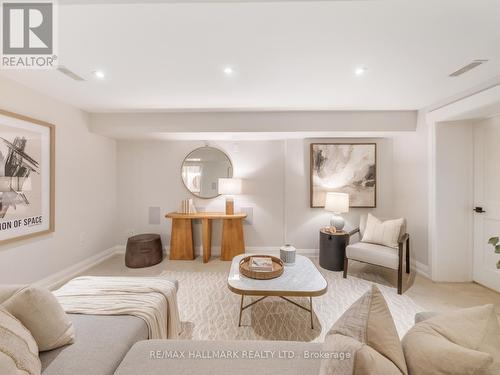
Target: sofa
{"x": 365, "y": 335}
{"x": 162, "y": 357}
{"x": 101, "y": 342}
{"x": 463, "y": 342}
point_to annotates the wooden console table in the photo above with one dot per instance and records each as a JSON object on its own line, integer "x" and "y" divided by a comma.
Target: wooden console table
{"x": 181, "y": 239}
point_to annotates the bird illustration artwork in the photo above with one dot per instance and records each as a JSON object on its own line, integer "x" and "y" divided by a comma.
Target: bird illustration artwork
{"x": 15, "y": 170}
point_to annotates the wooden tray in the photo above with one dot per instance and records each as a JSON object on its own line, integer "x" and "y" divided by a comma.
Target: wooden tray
{"x": 261, "y": 275}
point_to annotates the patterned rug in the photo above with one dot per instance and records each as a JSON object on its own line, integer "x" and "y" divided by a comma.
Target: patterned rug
{"x": 210, "y": 311}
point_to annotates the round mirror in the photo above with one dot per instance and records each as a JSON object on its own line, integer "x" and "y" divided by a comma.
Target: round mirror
{"x": 202, "y": 169}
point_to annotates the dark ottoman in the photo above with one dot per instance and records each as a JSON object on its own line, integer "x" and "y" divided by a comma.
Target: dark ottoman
{"x": 143, "y": 250}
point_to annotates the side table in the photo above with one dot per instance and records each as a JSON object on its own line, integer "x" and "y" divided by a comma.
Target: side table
{"x": 332, "y": 249}
{"x": 181, "y": 239}
{"x": 143, "y": 250}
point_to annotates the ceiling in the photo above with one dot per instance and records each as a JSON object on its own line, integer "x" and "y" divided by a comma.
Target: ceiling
{"x": 170, "y": 55}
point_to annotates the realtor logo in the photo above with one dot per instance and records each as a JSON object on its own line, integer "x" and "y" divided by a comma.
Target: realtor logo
{"x": 27, "y": 35}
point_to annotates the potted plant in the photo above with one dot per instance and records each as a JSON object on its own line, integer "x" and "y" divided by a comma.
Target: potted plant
{"x": 493, "y": 241}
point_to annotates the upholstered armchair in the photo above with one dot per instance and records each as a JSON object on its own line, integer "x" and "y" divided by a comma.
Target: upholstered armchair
{"x": 379, "y": 255}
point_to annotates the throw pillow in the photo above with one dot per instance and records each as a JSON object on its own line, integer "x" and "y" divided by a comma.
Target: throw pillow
{"x": 6, "y": 291}
{"x": 384, "y": 233}
{"x": 367, "y": 332}
{"x": 40, "y": 312}
{"x": 18, "y": 349}
{"x": 466, "y": 341}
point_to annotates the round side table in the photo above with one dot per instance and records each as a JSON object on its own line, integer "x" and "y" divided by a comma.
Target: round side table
{"x": 332, "y": 249}
{"x": 143, "y": 250}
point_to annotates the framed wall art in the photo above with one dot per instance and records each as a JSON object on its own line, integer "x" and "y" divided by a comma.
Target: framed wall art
{"x": 26, "y": 177}
{"x": 346, "y": 168}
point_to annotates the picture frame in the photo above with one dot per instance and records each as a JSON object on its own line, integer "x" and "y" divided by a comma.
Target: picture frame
{"x": 343, "y": 167}
{"x": 27, "y": 177}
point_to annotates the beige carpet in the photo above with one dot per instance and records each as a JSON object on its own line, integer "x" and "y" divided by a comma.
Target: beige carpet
{"x": 209, "y": 310}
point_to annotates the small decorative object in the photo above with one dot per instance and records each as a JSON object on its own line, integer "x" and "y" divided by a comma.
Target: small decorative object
{"x": 287, "y": 254}
{"x": 493, "y": 241}
{"x": 330, "y": 230}
{"x": 187, "y": 206}
{"x": 337, "y": 203}
{"x": 229, "y": 187}
{"x": 261, "y": 264}
{"x": 27, "y": 150}
{"x": 344, "y": 168}
{"x": 246, "y": 270}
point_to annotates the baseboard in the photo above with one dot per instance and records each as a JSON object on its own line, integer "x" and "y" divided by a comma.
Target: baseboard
{"x": 57, "y": 278}
{"x": 422, "y": 269}
{"x": 265, "y": 250}
{"x": 66, "y": 274}
{"x": 276, "y": 251}
{"x": 120, "y": 249}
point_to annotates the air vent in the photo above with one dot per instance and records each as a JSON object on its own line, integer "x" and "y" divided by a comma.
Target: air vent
{"x": 468, "y": 67}
{"x": 69, "y": 73}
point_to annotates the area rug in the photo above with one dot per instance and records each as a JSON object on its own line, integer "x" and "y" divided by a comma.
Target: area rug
{"x": 210, "y": 311}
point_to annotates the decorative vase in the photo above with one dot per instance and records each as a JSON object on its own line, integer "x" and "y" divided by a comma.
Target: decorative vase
{"x": 287, "y": 254}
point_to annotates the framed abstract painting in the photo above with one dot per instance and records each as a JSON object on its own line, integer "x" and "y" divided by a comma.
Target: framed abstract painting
{"x": 346, "y": 168}
{"x": 26, "y": 177}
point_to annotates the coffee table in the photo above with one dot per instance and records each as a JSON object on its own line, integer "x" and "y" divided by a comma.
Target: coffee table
{"x": 302, "y": 279}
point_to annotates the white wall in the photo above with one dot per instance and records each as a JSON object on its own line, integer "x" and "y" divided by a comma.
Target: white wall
{"x": 401, "y": 190}
{"x": 276, "y": 174}
{"x": 85, "y": 191}
{"x": 454, "y": 201}
{"x": 149, "y": 175}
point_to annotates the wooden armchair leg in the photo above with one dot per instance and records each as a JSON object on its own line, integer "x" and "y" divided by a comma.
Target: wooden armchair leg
{"x": 400, "y": 280}
{"x": 408, "y": 255}
{"x": 346, "y": 263}
{"x": 400, "y": 269}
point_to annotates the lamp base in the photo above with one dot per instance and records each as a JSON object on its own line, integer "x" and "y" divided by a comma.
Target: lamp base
{"x": 229, "y": 206}
{"x": 337, "y": 221}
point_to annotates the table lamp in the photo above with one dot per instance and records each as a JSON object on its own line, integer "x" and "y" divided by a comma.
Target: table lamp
{"x": 337, "y": 203}
{"x": 229, "y": 187}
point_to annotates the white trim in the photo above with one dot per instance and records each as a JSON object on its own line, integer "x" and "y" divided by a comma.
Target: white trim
{"x": 431, "y": 204}
{"x": 421, "y": 269}
{"x": 274, "y": 250}
{"x": 68, "y": 273}
{"x": 120, "y": 249}
{"x": 265, "y": 250}
{"x": 475, "y": 106}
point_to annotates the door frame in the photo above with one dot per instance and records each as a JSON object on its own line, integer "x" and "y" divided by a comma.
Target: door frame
{"x": 482, "y": 103}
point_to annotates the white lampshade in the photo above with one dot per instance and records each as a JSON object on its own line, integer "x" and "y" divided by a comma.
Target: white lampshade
{"x": 230, "y": 186}
{"x": 337, "y": 202}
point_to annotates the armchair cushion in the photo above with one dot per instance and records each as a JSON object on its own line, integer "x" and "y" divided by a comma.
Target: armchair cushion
{"x": 364, "y": 218}
{"x": 374, "y": 254}
{"x": 385, "y": 233}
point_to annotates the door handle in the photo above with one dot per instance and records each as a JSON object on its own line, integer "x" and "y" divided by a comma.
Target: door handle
{"x": 479, "y": 210}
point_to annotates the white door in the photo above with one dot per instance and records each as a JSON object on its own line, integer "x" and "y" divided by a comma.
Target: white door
{"x": 487, "y": 196}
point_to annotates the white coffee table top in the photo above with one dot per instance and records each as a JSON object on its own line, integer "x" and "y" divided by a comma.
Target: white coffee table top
{"x": 301, "y": 279}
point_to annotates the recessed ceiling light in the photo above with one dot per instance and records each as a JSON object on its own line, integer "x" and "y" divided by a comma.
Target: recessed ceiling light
{"x": 99, "y": 74}
{"x": 360, "y": 71}
{"x": 228, "y": 70}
